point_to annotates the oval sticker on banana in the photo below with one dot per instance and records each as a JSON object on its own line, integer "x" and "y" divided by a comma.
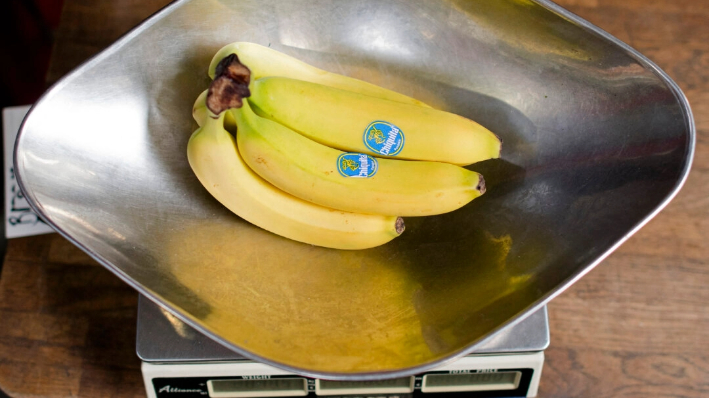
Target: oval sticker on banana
{"x": 384, "y": 138}
{"x": 357, "y": 165}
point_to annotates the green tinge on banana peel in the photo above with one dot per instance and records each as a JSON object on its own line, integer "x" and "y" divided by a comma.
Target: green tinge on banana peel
{"x": 264, "y": 62}
{"x": 215, "y": 160}
{"x": 355, "y": 122}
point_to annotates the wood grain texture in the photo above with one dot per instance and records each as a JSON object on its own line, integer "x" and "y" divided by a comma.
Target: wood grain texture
{"x": 636, "y": 326}
{"x": 89, "y": 26}
{"x": 67, "y": 325}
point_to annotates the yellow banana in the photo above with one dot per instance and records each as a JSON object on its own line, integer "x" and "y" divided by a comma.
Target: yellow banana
{"x": 350, "y": 181}
{"x": 263, "y": 61}
{"x": 214, "y": 158}
{"x": 354, "y": 122}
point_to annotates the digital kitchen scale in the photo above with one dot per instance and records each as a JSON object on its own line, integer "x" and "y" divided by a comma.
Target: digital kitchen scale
{"x": 178, "y": 361}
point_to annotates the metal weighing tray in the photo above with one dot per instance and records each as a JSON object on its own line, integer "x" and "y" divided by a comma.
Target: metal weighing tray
{"x": 162, "y": 338}
{"x": 597, "y": 140}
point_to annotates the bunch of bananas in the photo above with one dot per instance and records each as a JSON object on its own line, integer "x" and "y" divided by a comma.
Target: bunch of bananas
{"x": 326, "y": 159}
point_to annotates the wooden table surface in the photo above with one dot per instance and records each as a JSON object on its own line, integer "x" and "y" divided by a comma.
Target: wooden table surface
{"x": 636, "y": 326}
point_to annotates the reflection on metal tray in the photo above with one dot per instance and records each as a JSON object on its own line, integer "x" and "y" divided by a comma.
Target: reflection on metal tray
{"x": 163, "y": 338}
{"x": 596, "y": 141}
{"x": 177, "y": 358}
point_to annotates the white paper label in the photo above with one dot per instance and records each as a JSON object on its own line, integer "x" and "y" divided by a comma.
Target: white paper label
{"x": 20, "y": 220}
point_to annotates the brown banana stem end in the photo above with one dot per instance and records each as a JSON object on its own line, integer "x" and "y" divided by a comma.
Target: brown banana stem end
{"x": 230, "y": 85}
{"x": 481, "y": 185}
{"x": 400, "y": 227}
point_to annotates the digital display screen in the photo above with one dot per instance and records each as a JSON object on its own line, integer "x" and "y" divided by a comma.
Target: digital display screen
{"x": 393, "y": 386}
{"x": 471, "y": 382}
{"x": 235, "y": 388}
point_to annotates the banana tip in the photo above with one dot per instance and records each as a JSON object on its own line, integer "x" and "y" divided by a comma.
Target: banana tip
{"x": 399, "y": 225}
{"x": 481, "y": 185}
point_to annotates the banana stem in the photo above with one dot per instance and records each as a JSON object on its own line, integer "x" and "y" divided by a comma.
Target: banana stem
{"x": 214, "y": 121}
{"x": 230, "y": 85}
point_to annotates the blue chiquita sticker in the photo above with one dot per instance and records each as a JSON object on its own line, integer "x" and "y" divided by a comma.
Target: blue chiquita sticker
{"x": 357, "y": 165}
{"x": 384, "y": 138}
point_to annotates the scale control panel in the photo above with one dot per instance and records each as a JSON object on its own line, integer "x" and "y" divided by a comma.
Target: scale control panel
{"x": 511, "y": 375}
